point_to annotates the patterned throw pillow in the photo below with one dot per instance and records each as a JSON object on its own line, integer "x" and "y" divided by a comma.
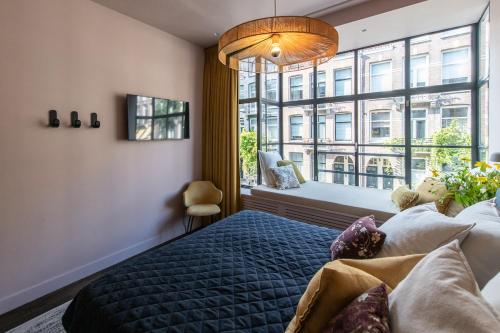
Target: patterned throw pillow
{"x": 367, "y": 313}
{"x": 285, "y": 177}
{"x": 362, "y": 240}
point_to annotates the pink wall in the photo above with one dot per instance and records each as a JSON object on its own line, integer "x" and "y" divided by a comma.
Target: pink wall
{"x": 73, "y": 201}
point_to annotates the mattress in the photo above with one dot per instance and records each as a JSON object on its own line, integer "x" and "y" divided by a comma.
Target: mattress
{"x": 245, "y": 273}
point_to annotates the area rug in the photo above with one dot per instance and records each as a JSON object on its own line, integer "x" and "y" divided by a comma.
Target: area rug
{"x": 49, "y": 322}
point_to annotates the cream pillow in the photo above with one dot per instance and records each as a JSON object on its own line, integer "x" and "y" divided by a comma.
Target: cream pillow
{"x": 404, "y": 198}
{"x": 441, "y": 295}
{"x": 268, "y": 160}
{"x": 491, "y": 293}
{"x": 420, "y": 229}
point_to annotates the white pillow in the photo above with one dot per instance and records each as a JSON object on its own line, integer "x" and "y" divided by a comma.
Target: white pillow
{"x": 441, "y": 295}
{"x": 268, "y": 160}
{"x": 491, "y": 293}
{"x": 482, "y": 245}
{"x": 482, "y": 250}
{"x": 420, "y": 229}
{"x": 481, "y": 212}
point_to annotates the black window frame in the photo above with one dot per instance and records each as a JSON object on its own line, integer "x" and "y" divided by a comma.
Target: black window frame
{"x": 357, "y": 96}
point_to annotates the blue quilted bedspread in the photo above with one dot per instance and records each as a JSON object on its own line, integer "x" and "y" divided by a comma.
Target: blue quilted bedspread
{"x": 245, "y": 273}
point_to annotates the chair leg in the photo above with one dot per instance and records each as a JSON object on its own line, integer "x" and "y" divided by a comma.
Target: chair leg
{"x": 191, "y": 220}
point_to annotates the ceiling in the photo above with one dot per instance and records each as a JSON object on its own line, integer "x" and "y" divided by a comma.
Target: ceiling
{"x": 202, "y": 21}
{"x": 424, "y": 17}
{"x": 198, "y": 20}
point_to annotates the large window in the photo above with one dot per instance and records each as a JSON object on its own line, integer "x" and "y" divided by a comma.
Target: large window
{"x": 380, "y": 116}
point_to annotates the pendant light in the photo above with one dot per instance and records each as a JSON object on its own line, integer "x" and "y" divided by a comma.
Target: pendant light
{"x": 278, "y": 43}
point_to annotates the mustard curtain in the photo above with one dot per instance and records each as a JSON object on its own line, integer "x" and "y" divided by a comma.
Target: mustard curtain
{"x": 220, "y": 130}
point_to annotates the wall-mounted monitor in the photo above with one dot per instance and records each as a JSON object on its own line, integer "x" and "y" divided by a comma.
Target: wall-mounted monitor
{"x": 152, "y": 118}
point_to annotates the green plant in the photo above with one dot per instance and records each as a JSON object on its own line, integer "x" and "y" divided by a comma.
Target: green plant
{"x": 450, "y": 157}
{"x": 468, "y": 187}
{"x": 248, "y": 153}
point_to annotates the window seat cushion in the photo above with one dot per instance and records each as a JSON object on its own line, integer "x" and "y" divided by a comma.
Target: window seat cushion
{"x": 353, "y": 200}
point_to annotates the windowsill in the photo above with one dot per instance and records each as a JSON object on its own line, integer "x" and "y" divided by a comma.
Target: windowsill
{"x": 339, "y": 198}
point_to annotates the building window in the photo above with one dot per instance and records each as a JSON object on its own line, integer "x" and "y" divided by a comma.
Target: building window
{"x": 296, "y": 123}
{"x": 418, "y": 169}
{"x": 296, "y": 88}
{"x": 340, "y": 165}
{"x": 272, "y": 129}
{"x": 321, "y": 167}
{"x": 251, "y": 90}
{"x": 321, "y": 127}
{"x": 418, "y": 121}
{"x": 455, "y": 114}
{"x": 272, "y": 89}
{"x": 456, "y": 67}
{"x": 343, "y": 127}
{"x": 380, "y": 76}
{"x": 252, "y": 123}
{"x": 297, "y": 158}
{"x": 371, "y": 168}
{"x": 242, "y": 91}
{"x": 343, "y": 81}
{"x": 380, "y": 122}
{"x": 419, "y": 71}
{"x": 321, "y": 77}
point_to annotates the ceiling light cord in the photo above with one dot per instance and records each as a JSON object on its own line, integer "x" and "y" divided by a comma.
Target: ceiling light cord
{"x": 275, "y": 8}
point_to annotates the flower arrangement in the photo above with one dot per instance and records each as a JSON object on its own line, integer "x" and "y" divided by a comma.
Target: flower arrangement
{"x": 467, "y": 186}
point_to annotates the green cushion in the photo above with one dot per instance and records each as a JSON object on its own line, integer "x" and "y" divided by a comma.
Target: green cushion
{"x": 295, "y": 169}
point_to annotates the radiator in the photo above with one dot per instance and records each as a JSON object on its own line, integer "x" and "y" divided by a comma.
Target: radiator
{"x": 307, "y": 214}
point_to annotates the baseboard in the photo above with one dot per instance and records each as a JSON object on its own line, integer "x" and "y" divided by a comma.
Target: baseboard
{"x": 31, "y": 293}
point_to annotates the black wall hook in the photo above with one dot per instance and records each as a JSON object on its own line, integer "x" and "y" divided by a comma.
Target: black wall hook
{"x": 53, "y": 121}
{"x": 93, "y": 120}
{"x": 75, "y": 122}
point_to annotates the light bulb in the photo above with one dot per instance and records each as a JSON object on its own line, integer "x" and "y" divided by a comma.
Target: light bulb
{"x": 275, "y": 50}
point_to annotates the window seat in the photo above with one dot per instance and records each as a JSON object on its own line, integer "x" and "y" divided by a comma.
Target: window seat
{"x": 331, "y": 205}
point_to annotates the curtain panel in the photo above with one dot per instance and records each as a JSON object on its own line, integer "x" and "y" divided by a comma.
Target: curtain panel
{"x": 220, "y": 130}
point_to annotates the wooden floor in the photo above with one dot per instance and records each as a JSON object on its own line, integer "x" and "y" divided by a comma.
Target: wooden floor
{"x": 43, "y": 304}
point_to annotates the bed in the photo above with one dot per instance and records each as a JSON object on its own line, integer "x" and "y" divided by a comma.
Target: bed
{"x": 245, "y": 273}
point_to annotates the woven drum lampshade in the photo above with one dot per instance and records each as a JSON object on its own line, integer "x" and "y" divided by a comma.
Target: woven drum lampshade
{"x": 274, "y": 43}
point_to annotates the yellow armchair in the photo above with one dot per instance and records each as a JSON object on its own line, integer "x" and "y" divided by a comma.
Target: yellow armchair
{"x": 201, "y": 198}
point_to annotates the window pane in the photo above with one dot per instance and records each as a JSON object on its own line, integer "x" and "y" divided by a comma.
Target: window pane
{"x": 269, "y": 86}
{"x": 419, "y": 71}
{"x": 439, "y": 159}
{"x": 382, "y": 167}
{"x": 484, "y": 46}
{"x": 441, "y": 58}
{"x": 302, "y": 156}
{"x": 269, "y": 130}
{"x": 247, "y": 79}
{"x": 297, "y": 124}
{"x": 483, "y": 116}
{"x": 338, "y": 125}
{"x": 336, "y": 165}
{"x": 248, "y": 143}
{"x": 382, "y": 121}
{"x": 296, "y": 84}
{"x": 381, "y": 67}
{"x": 441, "y": 119}
{"x": 339, "y": 72}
